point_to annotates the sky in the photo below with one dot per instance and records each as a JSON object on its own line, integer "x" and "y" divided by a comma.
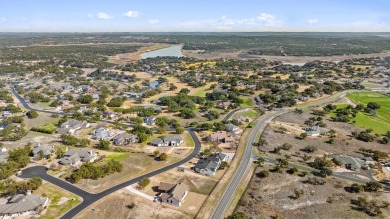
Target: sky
{"x": 194, "y": 16}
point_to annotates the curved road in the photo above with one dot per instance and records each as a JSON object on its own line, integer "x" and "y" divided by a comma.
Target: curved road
{"x": 88, "y": 198}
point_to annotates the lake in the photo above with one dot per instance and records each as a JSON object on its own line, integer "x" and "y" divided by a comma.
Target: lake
{"x": 174, "y": 51}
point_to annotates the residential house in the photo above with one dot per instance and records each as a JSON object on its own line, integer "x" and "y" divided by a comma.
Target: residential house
{"x": 109, "y": 114}
{"x": 20, "y": 204}
{"x": 103, "y": 134}
{"x": 74, "y": 156}
{"x": 124, "y": 139}
{"x": 70, "y": 126}
{"x": 173, "y": 194}
{"x": 241, "y": 119}
{"x": 223, "y": 105}
{"x": 209, "y": 165}
{"x": 151, "y": 120}
{"x": 232, "y": 129}
{"x": 45, "y": 150}
{"x": 352, "y": 163}
{"x": 220, "y": 136}
{"x": 316, "y": 131}
{"x": 168, "y": 141}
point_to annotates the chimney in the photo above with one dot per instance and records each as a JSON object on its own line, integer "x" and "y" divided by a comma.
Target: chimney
{"x": 28, "y": 192}
{"x": 66, "y": 149}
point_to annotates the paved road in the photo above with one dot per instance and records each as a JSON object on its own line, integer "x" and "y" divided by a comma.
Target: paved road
{"x": 230, "y": 114}
{"x": 88, "y": 198}
{"x": 241, "y": 169}
{"x": 227, "y": 196}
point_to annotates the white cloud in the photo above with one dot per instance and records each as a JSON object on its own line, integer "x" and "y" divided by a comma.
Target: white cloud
{"x": 154, "y": 21}
{"x": 3, "y": 18}
{"x": 268, "y": 19}
{"x": 313, "y": 21}
{"x": 132, "y": 14}
{"x": 104, "y": 16}
{"x": 90, "y": 15}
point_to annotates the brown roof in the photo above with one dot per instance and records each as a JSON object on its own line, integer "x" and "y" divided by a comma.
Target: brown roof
{"x": 179, "y": 191}
{"x": 219, "y": 135}
{"x": 165, "y": 186}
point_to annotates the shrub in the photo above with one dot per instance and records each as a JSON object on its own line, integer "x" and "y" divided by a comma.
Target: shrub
{"x": 263, "y": 174}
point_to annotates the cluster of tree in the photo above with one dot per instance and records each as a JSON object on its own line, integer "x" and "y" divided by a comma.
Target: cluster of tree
{"x": 85, "y": 99}
{"x": 370, "y": 207}
{"x": 142, "y": 132}
{"x": 74, "y": 141}
{"x": 183, "y": 103}
{"x": 37, "y": 97}
{"x": 141, "y": 111}
{"x": 12, "y": 108}
{"x": 56, "y": 103}
{"x": 160, "y": 156}
{"x": 103, "y": 145}
{"x": 95, "y": 171}
{"x": 368, "y": 187}
{"x": 375, "y": 154}
{"x": 365, "y": 136}
{"x": 13, "y": 133}
{"x": 11, "y": 187}
{"x": 116, "y": 102}
{"x": 324, "y": 165}
{"x": 6, "y": 96}
{"x": 17, "y": 158}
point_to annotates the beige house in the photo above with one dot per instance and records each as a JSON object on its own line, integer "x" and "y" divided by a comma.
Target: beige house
{"x": 173, "y": 194}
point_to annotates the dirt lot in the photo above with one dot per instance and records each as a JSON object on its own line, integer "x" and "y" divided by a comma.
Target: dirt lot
{"x": 267, "y": 199}
{"x": 344, "y": 142}
{"x": 135, "y": 164}
{"x": 125, "y": 58}
{"x": 117, "y": 206}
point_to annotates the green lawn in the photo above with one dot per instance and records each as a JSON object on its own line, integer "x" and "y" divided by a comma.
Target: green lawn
{"x": 380, "y": 123}
{"x": 201, "y": 92}
{"x": 55, "y": 194}
{"x": 188, "y": 140}
{"x": 116, "y": 157}
{"x": 247, "y": 101}
{"x": 250, "y": 113}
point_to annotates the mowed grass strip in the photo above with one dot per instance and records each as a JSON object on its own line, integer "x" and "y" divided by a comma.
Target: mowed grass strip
{"x": 380, "y": 123}
{"x": 54, "y": 193}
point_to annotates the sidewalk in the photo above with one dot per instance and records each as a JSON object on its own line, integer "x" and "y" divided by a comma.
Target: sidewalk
{"x": 136, "y": 191}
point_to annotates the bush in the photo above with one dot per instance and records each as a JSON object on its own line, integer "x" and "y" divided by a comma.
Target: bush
{"x": 163, "y": 157}
{"x": 144, "y": 182}
{"x": 32, "y": 114}
{"x": 372, "y": 187}
{"x": 355, "y": 188}
{"x": 309, "y": 149}
{"x": 263, "y": 174}
{"x": 314, "y": 181}
{"x": 103, "y": 145}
